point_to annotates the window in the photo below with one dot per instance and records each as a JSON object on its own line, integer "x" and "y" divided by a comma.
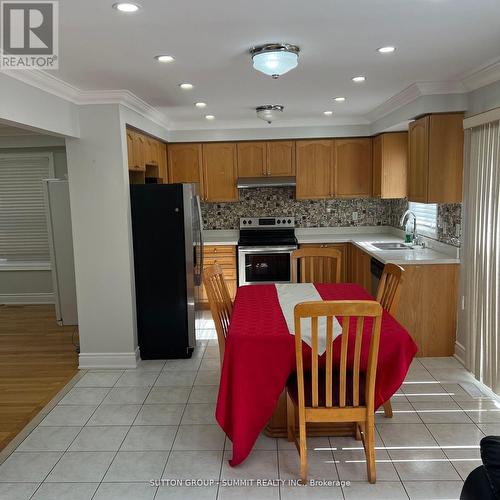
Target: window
{"x": 23, "y": 227}
{"x": 426, "y": 218}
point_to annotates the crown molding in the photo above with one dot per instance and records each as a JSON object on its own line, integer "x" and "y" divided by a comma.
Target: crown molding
{"x": 55, "y": 86}
{"x": 486, "y": 74}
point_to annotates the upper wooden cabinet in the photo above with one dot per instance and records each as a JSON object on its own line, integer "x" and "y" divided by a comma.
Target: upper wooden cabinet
{"x": 353, "y": 167}
{"x": 219, "y": 171}
{"x": 435, "y": 167}
{"x": 390, "y": 164}
{"x": 136, "y": 153}
{"x": 146, "y": 155}
{"x": 314, "y": 169}
{"x": 273, "y": 158}
{"x": 252, "y": 159}
{"x": 184, "y": 164}
{"x": 281, "y": 158}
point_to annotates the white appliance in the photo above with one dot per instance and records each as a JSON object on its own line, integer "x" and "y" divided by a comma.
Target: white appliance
{"x": 58, "y": 214}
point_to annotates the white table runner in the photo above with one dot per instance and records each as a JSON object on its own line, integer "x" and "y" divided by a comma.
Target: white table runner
{"x": 289, "y": 295}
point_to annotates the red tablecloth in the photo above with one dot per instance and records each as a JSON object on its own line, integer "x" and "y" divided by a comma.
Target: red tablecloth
{"x": 260, "y": 356}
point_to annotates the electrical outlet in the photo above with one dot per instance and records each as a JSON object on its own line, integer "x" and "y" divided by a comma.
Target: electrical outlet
{"x": 329, "y": 210}
{"x": 457, "y": 230}
{"x": 463, "y": 303}
{"x": 355, "y": 216}
{"x": 445, "y": 227}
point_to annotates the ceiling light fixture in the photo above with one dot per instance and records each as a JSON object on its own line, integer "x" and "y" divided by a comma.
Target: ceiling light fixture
{"x": 210, "y": 117}
{"x": 127, "y": 7}
{"x": 275, "y": 59}
{"x": 186, "y": 86}
{"x": 339, "y": 99}
{"x": 386, "y": 50}
{"x": 328, "y": 113}
{"x": 165, "y": 58}
{"x": 358, "y": 79}
{"x": 200, "y": 104}
{"x": 269, "y": 112}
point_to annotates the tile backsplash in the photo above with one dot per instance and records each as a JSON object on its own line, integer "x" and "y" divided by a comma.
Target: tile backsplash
{"x": 270, "y": 202}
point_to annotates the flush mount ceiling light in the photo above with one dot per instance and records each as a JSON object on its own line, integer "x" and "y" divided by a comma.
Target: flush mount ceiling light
{"x": 339, "y": 99}
{"x": 127, "y": 7}
{"x": 186, "y": 86}
{"x": 275, "y": 59}
{"x": 358, "y": 79}
{"x": 200, "y": 104}
{"x": 269, "y": 112}
{"x": 165, "y": 58}
{"x": 386, "y": 50}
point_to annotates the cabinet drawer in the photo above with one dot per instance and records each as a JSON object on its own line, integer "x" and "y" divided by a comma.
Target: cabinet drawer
{"x": 219, "y": 250}
{"x": 225, "y": 261}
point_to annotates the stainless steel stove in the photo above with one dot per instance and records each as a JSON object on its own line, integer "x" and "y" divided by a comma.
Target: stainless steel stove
{"x": 264, "y": 250}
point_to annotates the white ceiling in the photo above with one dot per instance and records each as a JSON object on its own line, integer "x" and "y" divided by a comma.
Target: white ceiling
{"x": 436, "y": 40}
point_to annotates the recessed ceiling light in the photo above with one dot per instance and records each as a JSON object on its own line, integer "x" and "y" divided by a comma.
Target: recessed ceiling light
{"x": 328, "y": 113}
{"x": 210, "y": 117}
{"x": 386, "y": 50}
{"x": 165, "y": 58}
{"x": 200, "y": 104}
{"x": 126, "y": 7}
{"x": 186, "y": 86}
{"x": 339, "y": 99}
{"x": 358, "y": 79}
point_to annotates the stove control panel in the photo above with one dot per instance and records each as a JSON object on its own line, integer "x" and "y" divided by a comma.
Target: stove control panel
{"x": 267, "y": 222}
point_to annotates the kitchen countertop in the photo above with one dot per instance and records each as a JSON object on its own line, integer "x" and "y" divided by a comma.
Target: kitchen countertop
{"x": 363, "y": 237}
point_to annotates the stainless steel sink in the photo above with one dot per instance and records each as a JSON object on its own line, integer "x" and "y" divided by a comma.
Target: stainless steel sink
{"x": 392, "y": 246}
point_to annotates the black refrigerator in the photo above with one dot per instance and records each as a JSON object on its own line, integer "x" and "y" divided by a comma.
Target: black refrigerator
{"x": 168, "y": 260}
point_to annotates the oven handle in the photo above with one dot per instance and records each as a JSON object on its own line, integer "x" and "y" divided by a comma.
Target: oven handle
{"x": 267, "y": 249}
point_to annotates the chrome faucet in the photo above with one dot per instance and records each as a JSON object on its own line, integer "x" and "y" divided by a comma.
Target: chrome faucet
{"x": 404, "y": 219}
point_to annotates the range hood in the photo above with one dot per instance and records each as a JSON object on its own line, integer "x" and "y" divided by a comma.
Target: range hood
{"x": 256, "y": 182}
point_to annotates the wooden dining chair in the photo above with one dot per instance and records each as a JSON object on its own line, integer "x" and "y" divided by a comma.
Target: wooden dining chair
{"x": 221, "y": 305}
{"x": 388, "y": 295}
{"x": 345, "y": 394}
{"x": 317, "y": 265}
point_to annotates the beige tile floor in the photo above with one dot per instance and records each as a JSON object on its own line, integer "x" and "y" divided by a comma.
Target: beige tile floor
{"x": 118, "y": 429}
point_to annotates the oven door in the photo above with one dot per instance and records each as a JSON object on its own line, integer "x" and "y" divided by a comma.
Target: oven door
{"x": 259, "y": 265}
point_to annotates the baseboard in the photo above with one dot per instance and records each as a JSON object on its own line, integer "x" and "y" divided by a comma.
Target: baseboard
{"x": 109, "y": 360}
{"x": 27, "y": 298}
{"x": 460, "y": 352}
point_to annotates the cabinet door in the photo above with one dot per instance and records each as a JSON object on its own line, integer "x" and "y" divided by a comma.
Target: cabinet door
{"x": 359, "y": 267}
{"x": 161, "y": 150}
{"x": 139, "y": 151}
{"x": 353, "y": 167}
{"x": 418, "y": 154}
{"x": 281, "y": 158}
{"x": 184, "y": 163}
{"x": 390, "y": 165}
{"x": 446, "y": 146}
{"x": 314, "y": 169}
{"x": 150, "y": 151}
{"x": 219, "y": 171}
{"x": 130, "y": 150}
{"x": 343, "y": 247}
{"x": 252, "y": 159}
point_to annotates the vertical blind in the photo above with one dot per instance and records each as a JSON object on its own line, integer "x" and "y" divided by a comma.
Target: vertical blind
{"x": 481, "y": 256}
{"x": 426, "y": 214}
{"x": 23, "y": 227}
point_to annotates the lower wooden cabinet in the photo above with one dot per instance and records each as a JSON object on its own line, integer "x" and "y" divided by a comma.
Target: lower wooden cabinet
{"x": 359, "y": 268}
{"x": 225, "y": 256}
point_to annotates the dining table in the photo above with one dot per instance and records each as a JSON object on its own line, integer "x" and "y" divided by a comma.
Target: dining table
{"x": 259, "y": 358}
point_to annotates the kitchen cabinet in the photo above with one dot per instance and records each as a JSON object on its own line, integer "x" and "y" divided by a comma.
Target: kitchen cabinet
{"x": 185, "y": 164}
{"x": 343, "y": 247}
{"x": 390, "y": 164}
{"x": 353, "y": 168}
{"x": 220, "y": 171}
{"x": 359, "y": 268}
{"x": 273, "y": 158}
{"x": 136, "y": 153}
{"x": 435, "y": 169}
{"x": 225, "y": 256}
{"x": 314, "y": 169}
{"x": 146, "y": 158}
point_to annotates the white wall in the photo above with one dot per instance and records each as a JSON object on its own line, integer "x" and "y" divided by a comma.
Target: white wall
{"x": 100, "y": 208}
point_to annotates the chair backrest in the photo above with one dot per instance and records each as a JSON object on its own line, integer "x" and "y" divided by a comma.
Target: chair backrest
{"x": 357, "y": 311}
{"x": 389, "y": 288}
{"x": 221, "y": 305}
{"x": 317, "y": 265}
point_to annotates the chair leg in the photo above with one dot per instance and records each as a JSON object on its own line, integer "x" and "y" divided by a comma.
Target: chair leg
{"x": 388, "y": 409}
{"x": 369, "y": 443}
{"x": 358, "y": 432}
{"x": 303, "y": 451}
{"x": 290, "y": 418}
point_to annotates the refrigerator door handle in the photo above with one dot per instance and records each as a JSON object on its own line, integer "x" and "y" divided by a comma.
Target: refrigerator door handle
{"x": 200, "y": 226}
